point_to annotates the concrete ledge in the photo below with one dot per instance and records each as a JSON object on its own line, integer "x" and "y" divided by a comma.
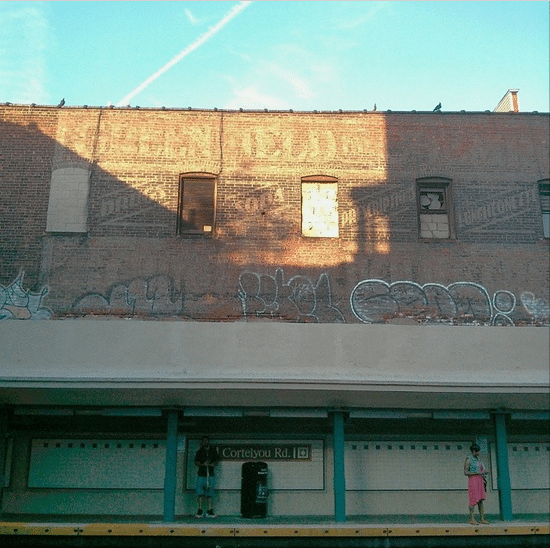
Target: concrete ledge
{"x": 164, "y": 364}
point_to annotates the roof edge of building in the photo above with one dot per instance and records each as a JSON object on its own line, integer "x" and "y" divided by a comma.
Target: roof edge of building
{"x": 271, "y": 111}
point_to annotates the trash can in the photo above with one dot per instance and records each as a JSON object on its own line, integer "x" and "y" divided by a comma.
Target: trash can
{"x": 254, "y": 490}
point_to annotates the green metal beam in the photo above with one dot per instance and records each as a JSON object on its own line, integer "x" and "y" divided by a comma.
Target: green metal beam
{"x": 339, "y": 468}
{"x": 3, "y": 450}
{"x": 170, "y": 479}
{"x": 503, "y": 467}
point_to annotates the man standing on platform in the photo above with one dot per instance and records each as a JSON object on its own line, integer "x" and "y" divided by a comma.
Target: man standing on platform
{"x": 206, "y": 458}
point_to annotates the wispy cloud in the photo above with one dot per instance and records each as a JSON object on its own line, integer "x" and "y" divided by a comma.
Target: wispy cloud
{"x": 197, "y": 43}
{"x": 296, "y": 81}
{"x": 250, "y": 98}
{"x": 294, "y": 76}
{"x": 192, "y": 19}
{"x": 24, "y": 39}
{"x": 310, "y": 64}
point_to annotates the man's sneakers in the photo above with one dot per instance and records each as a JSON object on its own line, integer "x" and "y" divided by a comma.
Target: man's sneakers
{"x": 209, "y": 514}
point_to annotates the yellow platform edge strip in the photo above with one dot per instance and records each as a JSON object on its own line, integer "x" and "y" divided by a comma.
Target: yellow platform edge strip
{"x": 213, "y": 530}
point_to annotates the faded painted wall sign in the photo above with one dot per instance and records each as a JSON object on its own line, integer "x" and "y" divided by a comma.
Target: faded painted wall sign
{"x": 493, "y": 211}
{"x": 381, "y": 201}
{"x": 193, "y": 141}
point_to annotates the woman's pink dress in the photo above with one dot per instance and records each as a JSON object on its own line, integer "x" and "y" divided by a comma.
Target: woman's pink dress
{"x": 476, "y": 486}
{"x": 476, "y": 490}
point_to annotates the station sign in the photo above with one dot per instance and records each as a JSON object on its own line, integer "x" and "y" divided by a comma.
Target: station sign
{"x": 264, "y": 452}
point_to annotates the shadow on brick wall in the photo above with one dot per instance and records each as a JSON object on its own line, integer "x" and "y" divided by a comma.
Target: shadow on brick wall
{"x": 130, "y": 263}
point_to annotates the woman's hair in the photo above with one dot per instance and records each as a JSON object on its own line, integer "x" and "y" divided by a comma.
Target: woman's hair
{"x": 474, "y": 447}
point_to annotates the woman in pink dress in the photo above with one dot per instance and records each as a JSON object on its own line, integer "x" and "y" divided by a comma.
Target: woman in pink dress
{"x": 476, "y": 472}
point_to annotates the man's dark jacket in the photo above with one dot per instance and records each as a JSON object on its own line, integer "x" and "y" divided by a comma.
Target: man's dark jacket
{"x": 206, "y": 454}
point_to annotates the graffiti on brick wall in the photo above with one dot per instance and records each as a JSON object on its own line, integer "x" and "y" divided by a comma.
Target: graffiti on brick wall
{"x": 299, "y": 299}
{"x": 538, "y": 308}
{"x": 376, "y": 301}
{"x": 154, "y": 296}
{"x": 16, "y": 303}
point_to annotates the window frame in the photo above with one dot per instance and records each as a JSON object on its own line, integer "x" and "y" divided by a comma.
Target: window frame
{"x": 440, "y": 184}
{"x": 206, "y": 178}
{"x": 544, "y": 190}
{"x": 319, "y": 179}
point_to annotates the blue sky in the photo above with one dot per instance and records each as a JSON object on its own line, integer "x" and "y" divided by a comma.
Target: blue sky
{"x": 301, "y": 55}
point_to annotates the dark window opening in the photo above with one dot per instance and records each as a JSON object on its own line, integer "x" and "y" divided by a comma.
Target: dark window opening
{"x": 196, "y": 205}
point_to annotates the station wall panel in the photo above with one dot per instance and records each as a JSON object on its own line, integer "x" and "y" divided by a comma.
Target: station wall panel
{"x": 405, "y": 465}
{"x": 529, "y": 465}
{"x": 97, "y": 464}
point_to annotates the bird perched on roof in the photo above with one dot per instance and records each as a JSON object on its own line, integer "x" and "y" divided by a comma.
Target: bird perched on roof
{"x": 437, "y": 108}
{"x": 61, "y": 103}
{"x": 374, "y": 108}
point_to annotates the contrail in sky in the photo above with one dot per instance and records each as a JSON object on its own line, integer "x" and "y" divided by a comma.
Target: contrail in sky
{"x": 201, "y": 40}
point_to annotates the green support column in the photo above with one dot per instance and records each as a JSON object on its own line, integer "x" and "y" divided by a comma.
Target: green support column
{"x": 339, "y": 468}
{"x": 3, "y": 449}
{"x": 504, "y": 485}
{"x": 170, "y": 479}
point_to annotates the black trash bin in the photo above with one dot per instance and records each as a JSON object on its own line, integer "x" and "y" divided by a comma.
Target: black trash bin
{"x": 254, "y": 490}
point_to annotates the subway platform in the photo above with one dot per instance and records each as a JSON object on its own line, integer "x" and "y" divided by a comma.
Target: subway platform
{"x": 271, "y": 532}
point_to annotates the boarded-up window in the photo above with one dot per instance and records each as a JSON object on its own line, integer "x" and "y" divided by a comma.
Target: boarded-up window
{"x": 196, "y": 208}
{"x": 68, "y": 204}
{"x": 320, "y": 207}
{"x": 434, "y": 208}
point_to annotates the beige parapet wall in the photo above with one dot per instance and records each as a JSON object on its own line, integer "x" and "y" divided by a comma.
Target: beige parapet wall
{"x": 192, "y": 363}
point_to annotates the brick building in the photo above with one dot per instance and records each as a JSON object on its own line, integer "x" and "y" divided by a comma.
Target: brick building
{"x": 285, "y": 273}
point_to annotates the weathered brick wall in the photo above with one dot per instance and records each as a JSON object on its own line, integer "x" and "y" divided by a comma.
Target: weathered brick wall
{"x": 258, "y": 264}
{"x": 26, "y": 150}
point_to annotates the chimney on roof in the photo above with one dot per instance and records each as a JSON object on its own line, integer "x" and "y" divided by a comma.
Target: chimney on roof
{"x": 509, "y": 103}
